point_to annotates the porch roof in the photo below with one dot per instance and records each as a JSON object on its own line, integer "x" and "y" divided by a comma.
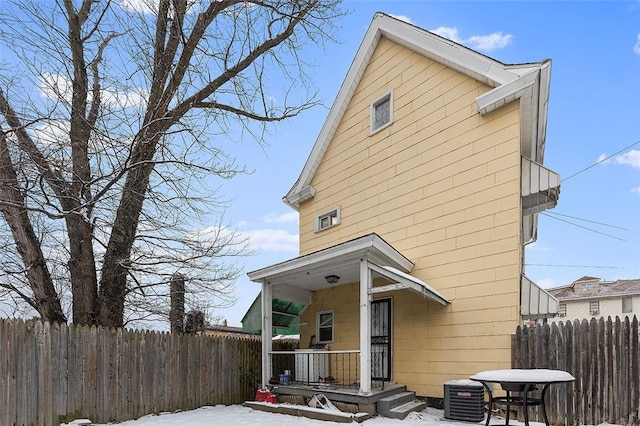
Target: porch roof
{"x": 295, "y": 278}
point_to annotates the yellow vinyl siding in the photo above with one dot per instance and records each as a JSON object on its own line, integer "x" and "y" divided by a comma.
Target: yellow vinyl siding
{"x": 441, "y": 185}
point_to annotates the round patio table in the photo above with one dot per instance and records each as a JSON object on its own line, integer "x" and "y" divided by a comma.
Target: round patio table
{"x": 522, "y": 381}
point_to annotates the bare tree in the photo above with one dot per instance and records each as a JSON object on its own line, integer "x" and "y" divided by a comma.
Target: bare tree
{"x": 113, "y": 118}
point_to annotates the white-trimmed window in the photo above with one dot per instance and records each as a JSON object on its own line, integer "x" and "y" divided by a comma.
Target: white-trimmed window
{"x": 324, "y": 321}
{"x": 562, "y": 310}
{"x": 594, "y": 308}
{"x": 382, "y": 112}
{"x": 327, "y": 219}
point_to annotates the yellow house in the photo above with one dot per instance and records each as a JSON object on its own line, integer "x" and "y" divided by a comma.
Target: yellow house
{"x": 415, "y": 204}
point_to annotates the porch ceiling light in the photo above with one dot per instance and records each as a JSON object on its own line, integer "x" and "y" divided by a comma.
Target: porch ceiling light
{"x": 332, "y": 279}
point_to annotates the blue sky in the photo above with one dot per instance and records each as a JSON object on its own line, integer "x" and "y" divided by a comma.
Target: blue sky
{"x": 594, "y": 113}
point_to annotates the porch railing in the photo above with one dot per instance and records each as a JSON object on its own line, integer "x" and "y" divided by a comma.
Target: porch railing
{"x": 315, "y": 367}
{"x": 338, "y": 369}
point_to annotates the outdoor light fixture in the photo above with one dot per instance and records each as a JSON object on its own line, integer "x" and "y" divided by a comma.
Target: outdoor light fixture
{"x": 332, "y": 279}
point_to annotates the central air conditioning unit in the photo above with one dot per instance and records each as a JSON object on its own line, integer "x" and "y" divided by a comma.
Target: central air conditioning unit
{"x": 464, "y": 400}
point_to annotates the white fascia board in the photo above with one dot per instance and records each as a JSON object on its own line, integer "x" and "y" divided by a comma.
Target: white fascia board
{"x": 437, "y": 48}
{"x": 544, "y": 86}
{"x": 403, "y": 280}
{"x": 371, "y": 244}
{"x": 359, "y": 64}
{"x": 532, "y": 88}
{"x": 506, "y": 93}
{"x": 447, "y": 52}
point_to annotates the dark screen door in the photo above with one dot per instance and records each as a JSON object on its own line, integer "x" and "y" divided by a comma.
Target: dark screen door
{"x": 381, "y": 339}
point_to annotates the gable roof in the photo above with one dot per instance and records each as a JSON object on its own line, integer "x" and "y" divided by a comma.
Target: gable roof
{"x": 605, "y": 289}
{"x": 586, "y": 278}
{"x": 527, "y": 82}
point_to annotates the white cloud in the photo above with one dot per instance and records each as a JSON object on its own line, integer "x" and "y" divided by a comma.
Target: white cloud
{"x": 283, "y": 218}
{"x": 448, "y": 32}
{"x": 631, "y": 158}
{"x": 537, "y": 246}
{"x": 402, "y": 18}
{"x": 141, "y": 6}
{"x": 635, "y": 190}
{"x": 486, "y": 43}
{"x": 52, "y": 132}
{"x": 636, "y": 47}
{"x": 547, "y": 283}
{"x": 273, "y": 240}
{"x": 56, "y": 86}
{"x": 490, "y": 42}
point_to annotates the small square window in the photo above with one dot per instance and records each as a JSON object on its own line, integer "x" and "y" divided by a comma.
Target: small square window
{"x": 562, "y": 310}
{"x": 627, "y": 305}
{"x": 594, "y": 308}
{"x": 382, "y": 112}
{"x": 325, "y": 326}
{"x": 327, "y": 219}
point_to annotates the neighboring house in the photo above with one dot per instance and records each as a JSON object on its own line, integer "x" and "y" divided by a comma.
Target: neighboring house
{"x": 224, "y": 330}
{"x": 591, "y": 297}
{"x": 415, "y": 204}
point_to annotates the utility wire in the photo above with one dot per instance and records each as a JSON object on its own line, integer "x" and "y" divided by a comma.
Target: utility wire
{"x": 572, "y": 266}
{"x": 586, "y": 220}
{"x": 588, "y": 229}
{"x": 601, "y": 161}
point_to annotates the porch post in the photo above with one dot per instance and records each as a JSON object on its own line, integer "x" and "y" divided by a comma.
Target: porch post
{"x": 267, "y": 308}
{"x": 365, "y": 327}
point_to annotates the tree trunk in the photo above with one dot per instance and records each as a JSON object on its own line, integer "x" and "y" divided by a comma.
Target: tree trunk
{"x": 45, "y": 300}
{"x": 82, "y": 267}
{"x": 117, "y": 257}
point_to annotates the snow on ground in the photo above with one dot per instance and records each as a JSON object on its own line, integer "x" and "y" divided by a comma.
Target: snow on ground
{"x": 237, "y": 415}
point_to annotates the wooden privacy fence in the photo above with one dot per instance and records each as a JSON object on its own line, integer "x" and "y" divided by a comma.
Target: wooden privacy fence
{"x": 603, "y": 356}
{"x": 52, "y": 373}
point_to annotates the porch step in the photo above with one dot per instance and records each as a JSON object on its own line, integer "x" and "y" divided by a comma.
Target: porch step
{"x": 403, "y": 410}
{"x": 399, "y": 405}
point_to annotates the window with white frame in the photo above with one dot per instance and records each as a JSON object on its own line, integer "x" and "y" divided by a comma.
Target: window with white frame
{"x": 594, "y": 308}
{"x": 382, "y": 112}
{"x": 627, "y": 306}
{"x": 324, "y": 321}
{"x": 562, "y": 310}
{"x": 327, "y": 219}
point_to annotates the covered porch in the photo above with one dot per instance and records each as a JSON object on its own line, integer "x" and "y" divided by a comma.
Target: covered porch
{"x": 376, "y": 267}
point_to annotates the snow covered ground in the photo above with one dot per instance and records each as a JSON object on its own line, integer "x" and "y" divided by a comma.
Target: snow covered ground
{"x": 237, "y": 415}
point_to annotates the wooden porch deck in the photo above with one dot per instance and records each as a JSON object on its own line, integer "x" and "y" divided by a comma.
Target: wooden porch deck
{"x": 336, "y": 393}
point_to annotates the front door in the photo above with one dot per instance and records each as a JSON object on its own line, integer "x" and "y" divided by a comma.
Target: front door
{"x": 381, "y": 339}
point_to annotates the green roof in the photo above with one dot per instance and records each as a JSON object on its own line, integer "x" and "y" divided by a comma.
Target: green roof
{"x": 285, "y": 317}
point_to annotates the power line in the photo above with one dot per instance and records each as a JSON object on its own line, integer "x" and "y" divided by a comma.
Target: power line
{"x": 601, "y": 161}
{"x": 587, "y": 220}
{"x": 572, "y": 266}
{"x": 588, "y": 229}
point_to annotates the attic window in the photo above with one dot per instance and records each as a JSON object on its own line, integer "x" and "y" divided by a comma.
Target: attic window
{"x": 382, "y": 112}
{"x": 327, "y": 219}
